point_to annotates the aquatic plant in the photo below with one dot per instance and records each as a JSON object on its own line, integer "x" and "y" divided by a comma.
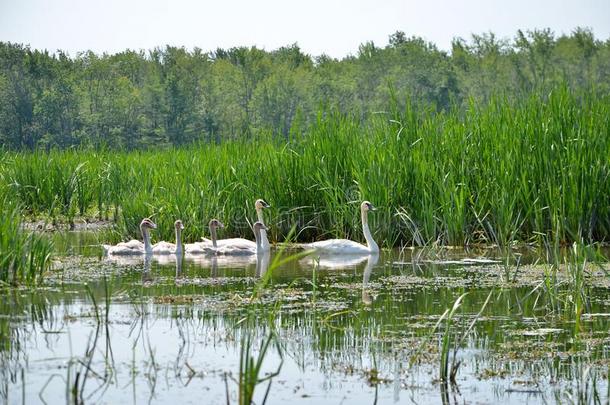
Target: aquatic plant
{"x": 499, "y": 172}
{"x": 250, "y": 368}
{"x": 24, "y": 257}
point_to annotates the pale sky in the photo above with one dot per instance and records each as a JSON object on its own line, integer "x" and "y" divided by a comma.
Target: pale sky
{"x": 318, "y": 26}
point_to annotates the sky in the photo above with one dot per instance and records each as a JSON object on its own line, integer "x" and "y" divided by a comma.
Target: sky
{"x": 332, "y": 27}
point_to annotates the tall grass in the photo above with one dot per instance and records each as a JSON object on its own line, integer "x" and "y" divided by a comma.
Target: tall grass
{"x": 495, "y": 173}
{"x": 24, "y": 257}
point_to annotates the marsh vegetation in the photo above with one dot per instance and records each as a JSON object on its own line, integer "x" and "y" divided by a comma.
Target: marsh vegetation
{"x": 489, "y": 168}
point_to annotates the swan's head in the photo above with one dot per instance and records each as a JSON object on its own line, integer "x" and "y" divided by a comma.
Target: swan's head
{"x": 147, "y": 223}
{"x": 214, "y": 223}
{"x": 178, "y": 225}
{"x": 367, "y": 206}
{"x": 260, "y": 203}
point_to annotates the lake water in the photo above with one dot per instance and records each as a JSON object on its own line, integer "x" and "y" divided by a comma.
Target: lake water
{"x": 351, "y": 330}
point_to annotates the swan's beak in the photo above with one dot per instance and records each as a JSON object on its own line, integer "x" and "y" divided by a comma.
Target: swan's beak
{"x": 153, "y": 225}
{"x": 266, "y": 205}
{"x": 372, "y": 207}
{"x": 181, "y": 226}
{"x": 221, "y": 225}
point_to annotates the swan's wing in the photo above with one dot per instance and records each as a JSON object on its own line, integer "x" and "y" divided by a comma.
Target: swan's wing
{"x": 338, "y": 246}
{"x": 132, "y": 244}
{"x": 132, "y": 247}
{"x": 164, "y": 248}
{"x": 238, "y": 243}
{"x": 197, "y": 248}
{"x": 124, "y": 247}
{"x": 236, "y": 250}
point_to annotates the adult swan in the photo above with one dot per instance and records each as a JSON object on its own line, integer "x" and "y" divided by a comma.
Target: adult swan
{"x": 346, "y": 246}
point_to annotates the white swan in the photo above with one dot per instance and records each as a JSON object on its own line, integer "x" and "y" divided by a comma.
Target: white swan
{"x": 167, "y": 248}
{"x": 346, "y": 246}
{"x": 239, "y": 246}
{"x": 134, "y": 247}
{"x": 204, "y": 247}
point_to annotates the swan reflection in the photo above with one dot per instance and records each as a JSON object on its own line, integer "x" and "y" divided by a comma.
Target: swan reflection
{"x": 368, "y": 269}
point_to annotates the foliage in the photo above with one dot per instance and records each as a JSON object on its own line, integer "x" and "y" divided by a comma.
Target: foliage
{"x": 502, "y": 171}
{"x": 172, "y": 96}
{"x": 23, "y": 257}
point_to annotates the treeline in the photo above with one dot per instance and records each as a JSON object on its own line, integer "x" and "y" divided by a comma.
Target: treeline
{"x": 173, "y": 96}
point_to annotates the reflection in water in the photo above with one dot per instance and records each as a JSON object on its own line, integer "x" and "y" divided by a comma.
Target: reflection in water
{"x": 221, "y": 261}
{"x": 262, "y": 263}
{"x": 179, "y": 261}
{"x": 147, "y": 276}
{"x": 329, "y": 261}
{"x": 371, "y": 262}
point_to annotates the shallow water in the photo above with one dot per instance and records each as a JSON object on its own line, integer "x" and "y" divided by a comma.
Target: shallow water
{"x": 356, "y": 329}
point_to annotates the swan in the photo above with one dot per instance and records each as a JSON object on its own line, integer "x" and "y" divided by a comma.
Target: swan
{"x": 242, "y": 243}
{"x": 239, "y": 246}
{"x": 134, "y": 247}
{"x": 166, "y": 248}
{"x": 346, "y": 246}
{"x": 204, "y": 247}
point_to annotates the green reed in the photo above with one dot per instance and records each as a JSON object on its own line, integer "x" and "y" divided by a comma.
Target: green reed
{"x": 565, "y": 289}
{"x": 496, "y": 173}
{"x": 24, "y": 257}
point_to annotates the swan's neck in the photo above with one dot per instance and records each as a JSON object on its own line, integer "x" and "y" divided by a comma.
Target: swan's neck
{"x": 263, "y": 233}
{"x": 213, "y": 235}
{"x": 146, "y": 237}
{"x": 367, "y": 233}
{"x": 178, "y": 240}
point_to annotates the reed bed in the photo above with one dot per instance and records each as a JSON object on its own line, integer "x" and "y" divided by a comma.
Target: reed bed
{"x": 24, "y": 257}
{"x": 497, "y": 173}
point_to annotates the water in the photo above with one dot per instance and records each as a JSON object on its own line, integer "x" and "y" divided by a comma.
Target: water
{"x": 357, "y": 330}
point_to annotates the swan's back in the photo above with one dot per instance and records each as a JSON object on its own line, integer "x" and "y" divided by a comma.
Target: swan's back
{"x": 236, "y": 250}
{"x": 198, "y": 247}
{"x": 164, "y": 248}
{"x": 132, "y": 247}
{"x": 236, "y": 243}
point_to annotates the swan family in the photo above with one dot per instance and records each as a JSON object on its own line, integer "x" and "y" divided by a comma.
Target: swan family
{"x": 240, "y": 246}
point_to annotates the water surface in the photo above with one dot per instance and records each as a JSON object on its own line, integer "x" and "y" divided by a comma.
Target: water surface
{"x": 357, "y": 329}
